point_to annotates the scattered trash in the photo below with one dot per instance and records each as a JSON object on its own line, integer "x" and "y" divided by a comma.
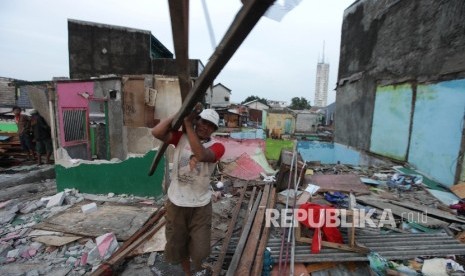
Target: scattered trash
{"x": 404, "y": 182}
{"x": 377, "y": 263}
{"x": 312, "y": 189}
{"x": 337, "y": 198}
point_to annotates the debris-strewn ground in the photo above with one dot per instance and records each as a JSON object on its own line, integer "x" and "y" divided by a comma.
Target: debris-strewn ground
{"x": 26, "y": 249}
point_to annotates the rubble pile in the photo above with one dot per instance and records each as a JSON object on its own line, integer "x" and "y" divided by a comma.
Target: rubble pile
{"x": 42, "y": 252}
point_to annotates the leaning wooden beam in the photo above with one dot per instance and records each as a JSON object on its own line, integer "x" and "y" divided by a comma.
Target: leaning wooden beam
{"x": 106, "y": 268}
{"x": 179, "y": 13}
{"x": 258, "y": 265}
{"x": 227, "y": 238}
{"x": 242, "y": 25}
{"x": 245, "y": 233}
{"x": 248, "y": 256}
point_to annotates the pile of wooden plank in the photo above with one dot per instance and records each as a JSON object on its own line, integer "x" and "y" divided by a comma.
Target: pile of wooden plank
{"x": 11, "y": 153}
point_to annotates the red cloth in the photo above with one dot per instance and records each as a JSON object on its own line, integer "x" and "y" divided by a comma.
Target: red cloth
{"x": 330, "y": 234}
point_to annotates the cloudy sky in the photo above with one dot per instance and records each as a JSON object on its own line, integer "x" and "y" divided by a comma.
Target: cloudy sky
{"x": 277, "y": 61}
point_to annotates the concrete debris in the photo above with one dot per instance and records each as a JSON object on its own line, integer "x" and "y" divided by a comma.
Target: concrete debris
{"x": 56, "y": 200}
{"x": 89, "y": 208}
{"x": 33, "y": 272}
{"x": 31, "y": 206}
{"x": 152, "y": 258}
{"x": 13, "y": 253}
{"x": 106, "y": 244}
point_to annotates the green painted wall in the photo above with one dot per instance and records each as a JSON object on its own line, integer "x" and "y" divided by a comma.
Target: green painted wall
{"x": 8, "y": 127}
{"x": 273, "y": 148}
{"x": 127, "y": 177}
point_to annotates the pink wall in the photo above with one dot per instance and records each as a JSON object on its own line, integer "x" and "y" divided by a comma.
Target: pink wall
{"x": 68, "y": 93}
{"x": 69, "y": 98}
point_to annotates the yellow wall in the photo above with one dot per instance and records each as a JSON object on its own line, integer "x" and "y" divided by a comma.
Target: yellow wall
{"x": 276, "y": 122}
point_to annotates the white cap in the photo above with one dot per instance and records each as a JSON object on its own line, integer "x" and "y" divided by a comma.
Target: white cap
{"x": 211, "y": 116}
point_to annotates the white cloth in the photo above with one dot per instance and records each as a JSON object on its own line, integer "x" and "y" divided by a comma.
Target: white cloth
{"x": 189, "y": 188}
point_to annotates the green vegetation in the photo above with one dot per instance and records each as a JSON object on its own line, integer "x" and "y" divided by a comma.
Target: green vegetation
{"x": 274, "y": 147}
{"x": 299, "y": 103}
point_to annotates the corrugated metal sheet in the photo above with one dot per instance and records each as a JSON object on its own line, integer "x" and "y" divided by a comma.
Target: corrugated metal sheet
{"x": 235, "y": 148}
{"x": 244, "y": 168}
{"x": 389, "y": 246}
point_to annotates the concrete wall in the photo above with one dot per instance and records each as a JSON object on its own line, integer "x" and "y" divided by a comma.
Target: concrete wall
{"x": 306, "y": 122}
{"x": 220, "y": 97}
{"x": 391, "y": 121}
{"x": 437, "y": 130}
{"x": 99, "y": 49}
{"x": 7, "y": 93}
{"x": 168, "y": 67}
{"x": 388, "y": 43}
{"x": 277, "y": 122}
{"x": 102, "y": 89}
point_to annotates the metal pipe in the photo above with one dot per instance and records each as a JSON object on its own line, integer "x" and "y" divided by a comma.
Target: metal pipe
{"x": 283, "y": 237}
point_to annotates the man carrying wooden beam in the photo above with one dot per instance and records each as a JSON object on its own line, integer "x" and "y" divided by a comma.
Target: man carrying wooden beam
{"x": 189, "y": 208}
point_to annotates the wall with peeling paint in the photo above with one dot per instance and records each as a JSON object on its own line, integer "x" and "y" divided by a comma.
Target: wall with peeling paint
{"x": 328, "y": 153}
{"x": 437, "y": 129}
{"x": 391, "y": 121}
{"x": 125, "y": 177}
{"x": 280, "y": 123}
{"x": 387, "y": 46}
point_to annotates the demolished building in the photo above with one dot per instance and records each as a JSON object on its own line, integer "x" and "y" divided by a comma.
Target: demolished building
{"x": 401, "y": 81}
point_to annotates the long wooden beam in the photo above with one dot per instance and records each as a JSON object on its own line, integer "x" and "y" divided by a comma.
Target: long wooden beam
{"x": 250, "y": 250}
{"x": 242, "y": 25}
{"x": 179, "y": 13}
{"x": 227, "y": 238}
{"x": 106, "y": 268}
{"x": 258, "y": 264}
{"x": 243, "y": 239}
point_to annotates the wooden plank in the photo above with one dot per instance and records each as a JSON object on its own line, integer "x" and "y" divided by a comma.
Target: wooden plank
{"x": 122, "y": 220}
{"x": 133, "y": 102}
{"x": 227, "y": 238}
{"x": 300, "y": 238}
{"x": 243, "y": 239}
{"x": 304, "y": 197}
{"x": 340, "y": 182}
{"x": 428, "y": 210}
{"x": 56, "y": 240}
{"x": 408, "y": 214}
{"x": 118, "y": 257}
{"x": 248, "y": 256}
{"x": 179, "y": 14}
{"x": 258, "y": 265}
{"x": 242, "y": 25}
{"x": 250, "y": 205}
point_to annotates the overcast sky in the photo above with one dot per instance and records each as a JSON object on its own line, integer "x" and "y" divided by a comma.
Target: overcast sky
{"x": 277, "y": 61}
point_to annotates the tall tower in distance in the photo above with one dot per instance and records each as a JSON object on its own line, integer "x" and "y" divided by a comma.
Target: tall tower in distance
{"x": 321, "y": 84}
